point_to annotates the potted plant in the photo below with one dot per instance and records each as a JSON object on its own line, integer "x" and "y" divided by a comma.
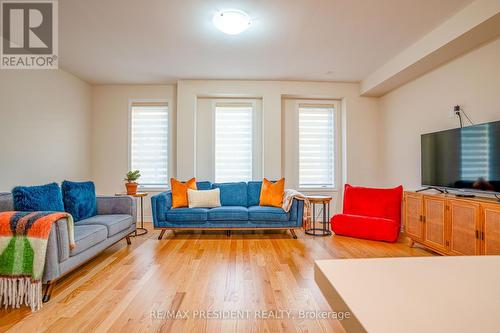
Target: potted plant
{"x": 131, "y": 183}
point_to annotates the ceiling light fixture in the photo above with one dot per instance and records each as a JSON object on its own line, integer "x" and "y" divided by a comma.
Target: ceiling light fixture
{"x": 232, "y": 22}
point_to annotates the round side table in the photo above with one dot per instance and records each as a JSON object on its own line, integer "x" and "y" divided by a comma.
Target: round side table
{"x": 325, "y": 201}
{"x": 139, "y": 231}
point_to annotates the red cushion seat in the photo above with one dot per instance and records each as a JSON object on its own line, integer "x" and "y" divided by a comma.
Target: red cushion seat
{"x": 370, "y": 213}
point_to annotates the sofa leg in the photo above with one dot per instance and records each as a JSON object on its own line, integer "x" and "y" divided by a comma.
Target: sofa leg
{"x": 411, "y": 243}
{"x": 48, "y": 291}
{"x": 293, "y": 234}
{"x": 127, "y": 238}
{"x": 228, "y": 233}
{"x": 161, "y": 234}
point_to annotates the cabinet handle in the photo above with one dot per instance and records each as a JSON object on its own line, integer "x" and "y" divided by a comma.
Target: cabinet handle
{"x": 482, "y": 235}
{"x": 477, "y": 234}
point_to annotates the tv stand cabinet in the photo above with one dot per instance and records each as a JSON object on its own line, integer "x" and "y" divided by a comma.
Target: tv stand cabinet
{"x": 452, "y": 226}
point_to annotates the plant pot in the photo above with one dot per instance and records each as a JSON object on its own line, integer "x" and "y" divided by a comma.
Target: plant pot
{"x": 131, "y": 188}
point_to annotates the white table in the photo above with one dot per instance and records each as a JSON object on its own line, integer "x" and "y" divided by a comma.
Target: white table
{"x": 419, "y": 294}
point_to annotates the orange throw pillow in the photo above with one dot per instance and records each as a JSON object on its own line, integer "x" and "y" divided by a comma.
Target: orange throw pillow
{"x": 271, "y": 194}
{"x": 179, "y": 192}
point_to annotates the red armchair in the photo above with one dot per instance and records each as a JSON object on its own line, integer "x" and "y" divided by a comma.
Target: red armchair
{"x": 370, "y": 213}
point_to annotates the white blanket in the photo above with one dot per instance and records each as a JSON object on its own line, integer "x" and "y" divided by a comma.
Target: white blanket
{"x": 288, "y": 197}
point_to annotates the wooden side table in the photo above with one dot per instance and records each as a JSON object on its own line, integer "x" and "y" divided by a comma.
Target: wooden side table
{"x": 141, "y": 196}
{"x": 325, "y": 201}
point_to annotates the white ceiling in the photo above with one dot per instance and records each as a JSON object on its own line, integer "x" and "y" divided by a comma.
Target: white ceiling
{"x": 162, "y": 41}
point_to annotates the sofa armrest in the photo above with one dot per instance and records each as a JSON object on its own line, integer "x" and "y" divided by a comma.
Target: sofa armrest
{"x": 300, "y": 212}
{"x": 160, "y": 204}
{"x": 122, "y": 204}
{"x": 293, "y": 209}
{"x": 297, "y": 211}
{"x": 57, "y": 249}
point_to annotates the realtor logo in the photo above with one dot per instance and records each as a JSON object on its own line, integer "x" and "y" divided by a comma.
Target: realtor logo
{"x": 29, "y": 35}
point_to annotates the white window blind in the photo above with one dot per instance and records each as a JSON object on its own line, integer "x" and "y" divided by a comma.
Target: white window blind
{"x": 233, "y": 142}
{"x": 149, "y": 143}
{"x": 316, "y": 146}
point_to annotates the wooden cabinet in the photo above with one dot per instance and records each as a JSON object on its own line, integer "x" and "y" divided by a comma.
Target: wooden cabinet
{"x": 453, "y": 226}
{"x": 413, "y": 216}
{"x": 434, "y": 223}
{"x": 491, "y": 229}
{"x": 464, "y": 228}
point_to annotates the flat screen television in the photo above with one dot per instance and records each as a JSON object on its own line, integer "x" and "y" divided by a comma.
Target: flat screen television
{"x": 466, "y": 159}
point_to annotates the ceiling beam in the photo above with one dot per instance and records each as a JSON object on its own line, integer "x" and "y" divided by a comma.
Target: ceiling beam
{"x": 476, "y": 24}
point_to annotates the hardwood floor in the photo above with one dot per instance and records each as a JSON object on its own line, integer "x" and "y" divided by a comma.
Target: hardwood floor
{"x": 131, "y": 288}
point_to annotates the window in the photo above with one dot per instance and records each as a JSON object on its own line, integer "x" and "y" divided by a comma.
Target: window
{"x": 316, "y": 146}
{"x": 233, "y": 142}
{"x": 149, "y": 143}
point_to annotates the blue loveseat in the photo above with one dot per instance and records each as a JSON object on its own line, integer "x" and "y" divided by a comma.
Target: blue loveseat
{"x": 239, "y": 210}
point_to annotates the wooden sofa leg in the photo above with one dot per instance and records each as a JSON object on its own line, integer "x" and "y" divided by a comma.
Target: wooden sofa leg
{"x": 48, "y": 291}
{"x": 127, "y": 238}
{"x": 161, "y": 234}
{"x": 293, "y": 234}
{"x": 228, "y": 233}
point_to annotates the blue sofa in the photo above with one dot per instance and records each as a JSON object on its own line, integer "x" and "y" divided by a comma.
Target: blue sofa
{"x": 239, "y": 210}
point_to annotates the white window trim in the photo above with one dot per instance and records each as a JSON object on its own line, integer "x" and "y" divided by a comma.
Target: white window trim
{"x": 257, "y": 139}
{"x": 337, "y": 172}
{"x": 168, "y": 102}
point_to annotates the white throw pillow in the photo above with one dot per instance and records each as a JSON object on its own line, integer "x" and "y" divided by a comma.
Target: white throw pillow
{"x": 204, "y": 198}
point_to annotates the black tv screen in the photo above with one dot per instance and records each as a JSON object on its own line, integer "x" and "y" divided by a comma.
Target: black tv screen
{"x": 464, "y": 158}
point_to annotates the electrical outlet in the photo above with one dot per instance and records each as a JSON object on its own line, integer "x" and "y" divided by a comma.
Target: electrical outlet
{"x": 454, "y": 111}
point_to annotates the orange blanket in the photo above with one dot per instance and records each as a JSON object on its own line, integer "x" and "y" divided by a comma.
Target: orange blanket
{"x": 23, "y": 245}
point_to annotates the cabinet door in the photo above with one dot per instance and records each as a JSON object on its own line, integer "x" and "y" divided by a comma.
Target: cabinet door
{"x": 434, "y": 220}
{"x": 491, "y": 229}
{"x": 464, "y": 228}
{"x": 413, "y": 215}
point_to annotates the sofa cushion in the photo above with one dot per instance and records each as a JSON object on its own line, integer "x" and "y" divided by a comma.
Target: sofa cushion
{"x": 374, "y": 228}
{"x": 232, "y": 194}
{"x": 205, "y": 185}
{"x": 187, "y": 215}
{"x": 253, "y": 190}
{"x": 87, "y": 236}
{"x": 115, "y": 223}
{"x": 6, "y": 202}
{"x": 228, "y": 213}
{"x": 38, "y": 198}
{"x": 79, "y": 199}
{"x": 271, "y": 193}
{"x": 266, "y": 213}
{"x": 376, "y": 202}
{"x": 204, "y": 198}
{"x": 179, "y": 191}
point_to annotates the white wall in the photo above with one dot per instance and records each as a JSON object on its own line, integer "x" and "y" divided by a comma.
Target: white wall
{"x": 44, "y": 127}
{"x": 424, "y": 105}
{"x": 110, "y": 133}
{"x": 359, "y": 116}
{"x": 110, "y": 126}
{"x": 65, "y": 129}
{"x": 54, "y": 126}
